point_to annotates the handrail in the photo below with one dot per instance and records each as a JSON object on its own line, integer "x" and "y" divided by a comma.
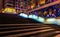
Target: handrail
{"x": 47, "y": 5}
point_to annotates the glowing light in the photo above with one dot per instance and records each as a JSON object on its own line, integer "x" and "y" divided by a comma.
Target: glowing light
{"x": 33, "y": 17}
{"x": 57, "y": 21}
{"x": 32, "y": 6}
{"x": 40, "y": 19}
{"x": 50, "y": 20}
{"x": 23, "y": 15}
{"x": 9, "y": 10}
{"x": 42, "y": 1}
{"x": 30, "y": 16}
{"x": 45, "y": 13}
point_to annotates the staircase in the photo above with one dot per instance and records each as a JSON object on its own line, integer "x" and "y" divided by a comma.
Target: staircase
{"x": 28, "y": 30}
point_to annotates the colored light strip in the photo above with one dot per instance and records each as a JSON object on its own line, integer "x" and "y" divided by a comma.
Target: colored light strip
{"x": 50, "y": 21}
{"x": 23, "y": 15}
{"x": 40, "y": 19}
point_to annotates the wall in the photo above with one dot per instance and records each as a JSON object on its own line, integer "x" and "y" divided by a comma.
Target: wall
{"x": 1, "y": 4}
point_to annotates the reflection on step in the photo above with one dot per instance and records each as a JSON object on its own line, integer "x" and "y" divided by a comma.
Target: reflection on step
{"x": 39, "y": 30}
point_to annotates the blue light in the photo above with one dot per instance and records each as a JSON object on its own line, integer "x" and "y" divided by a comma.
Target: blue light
{"x": 23, "y": 15}
{"x": 33, "y": 17}
{"x": 30, "y": 16}
{"x": 56, "y": 22}
{"x": 40, "y": 19}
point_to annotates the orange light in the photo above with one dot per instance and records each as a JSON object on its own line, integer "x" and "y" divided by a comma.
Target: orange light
{"x": 42, "y": 2}
{"x": 9, "y": 10}
{"x": 32, "y": 6}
